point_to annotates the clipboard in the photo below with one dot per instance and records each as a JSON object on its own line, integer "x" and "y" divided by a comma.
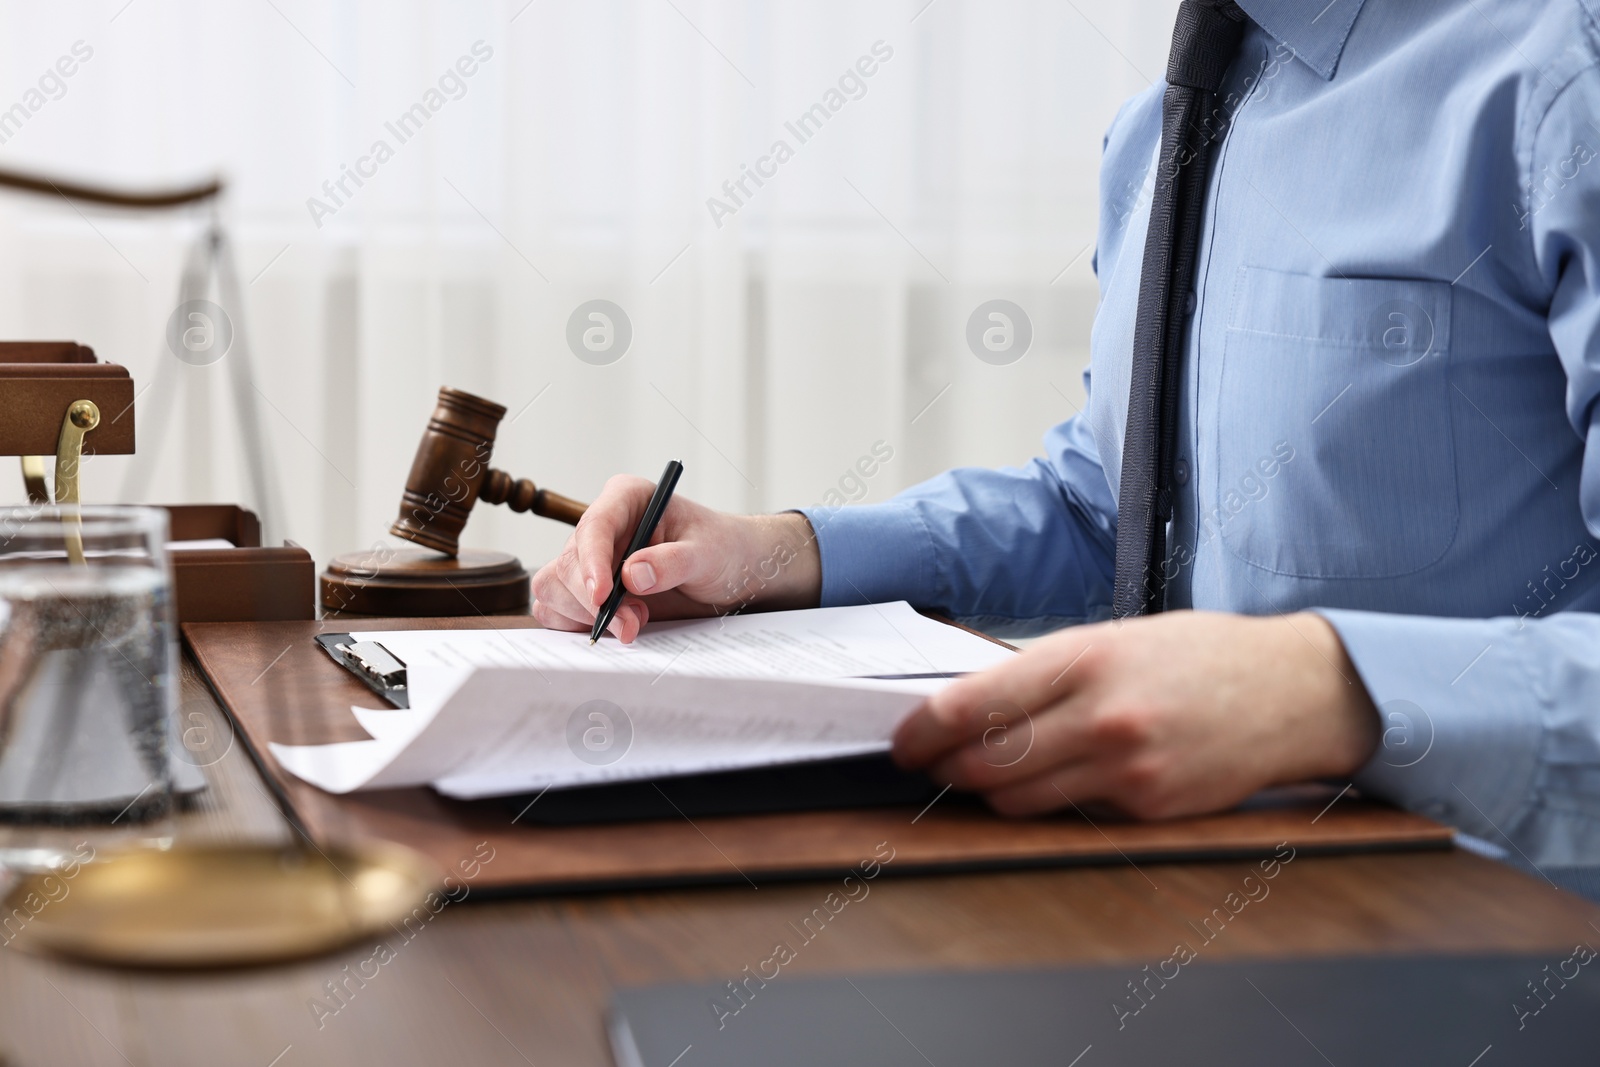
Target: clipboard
{"x": 306, "y": 697}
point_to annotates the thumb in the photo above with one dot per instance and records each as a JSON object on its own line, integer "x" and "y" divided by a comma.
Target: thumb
{"x": 659, "y": 568}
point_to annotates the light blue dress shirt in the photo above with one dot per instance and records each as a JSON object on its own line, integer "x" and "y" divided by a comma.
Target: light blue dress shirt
{"x": 1388, "y": 412}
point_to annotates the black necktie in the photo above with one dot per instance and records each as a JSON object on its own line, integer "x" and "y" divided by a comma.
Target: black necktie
{"x": 1203, "y": 44}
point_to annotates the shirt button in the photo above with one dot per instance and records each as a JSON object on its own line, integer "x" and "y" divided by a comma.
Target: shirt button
{"x": 1189, "y": 303}
{"x": 1180, "y": 472}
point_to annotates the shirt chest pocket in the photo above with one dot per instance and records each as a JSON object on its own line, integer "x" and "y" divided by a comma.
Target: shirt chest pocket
{"x": 1350, "y": 377}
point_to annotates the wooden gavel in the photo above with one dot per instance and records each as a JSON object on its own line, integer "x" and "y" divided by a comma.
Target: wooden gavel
{"x": 451, "y": 473}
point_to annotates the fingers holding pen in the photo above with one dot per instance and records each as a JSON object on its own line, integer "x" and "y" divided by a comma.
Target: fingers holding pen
{"x": 602, "y": 536}
{"x": 556, "y": 607}
{"x": 561, "y": 599}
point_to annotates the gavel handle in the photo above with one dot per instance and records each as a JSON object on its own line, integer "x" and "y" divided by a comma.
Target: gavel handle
{"x": 520, "y": 494}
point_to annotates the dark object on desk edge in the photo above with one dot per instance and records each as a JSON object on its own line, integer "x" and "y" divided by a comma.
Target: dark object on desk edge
{"x": 305, "y": 699}
{"x": 1377, "y": 1011}
{"x": 871, "y": 781}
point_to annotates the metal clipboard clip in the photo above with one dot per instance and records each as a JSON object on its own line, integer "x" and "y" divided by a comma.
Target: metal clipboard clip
{"x": 382, "y": 671}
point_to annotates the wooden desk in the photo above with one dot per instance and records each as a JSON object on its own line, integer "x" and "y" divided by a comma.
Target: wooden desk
{"x": 515, "y": 982}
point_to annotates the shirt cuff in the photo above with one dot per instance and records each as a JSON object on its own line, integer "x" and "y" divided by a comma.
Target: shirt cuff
{"x": 873, "y": 554}
{"x": 1461, "y": 725}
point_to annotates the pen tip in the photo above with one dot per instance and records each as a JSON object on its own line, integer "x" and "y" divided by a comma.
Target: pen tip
{"x": 592, "y": 640}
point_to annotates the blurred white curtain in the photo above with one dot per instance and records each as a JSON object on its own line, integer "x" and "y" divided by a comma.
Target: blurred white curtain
{"x": 770, "y": 353}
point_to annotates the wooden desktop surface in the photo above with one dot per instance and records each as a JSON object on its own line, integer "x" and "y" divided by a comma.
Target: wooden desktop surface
{"x": 527, "y": 981}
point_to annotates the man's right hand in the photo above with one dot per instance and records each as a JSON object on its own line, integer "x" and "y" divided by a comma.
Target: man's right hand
{"x": 700, "y": 562}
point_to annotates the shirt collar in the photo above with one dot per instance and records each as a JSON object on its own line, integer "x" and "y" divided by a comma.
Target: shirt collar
{"x": 1314, "y": 31}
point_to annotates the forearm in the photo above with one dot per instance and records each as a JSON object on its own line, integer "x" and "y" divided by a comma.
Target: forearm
{"x": 1341, "y": 731}
{"x": 782, "y": 568}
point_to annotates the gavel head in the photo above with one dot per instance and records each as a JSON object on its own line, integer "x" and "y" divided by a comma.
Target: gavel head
{"x": 449, "y": 470}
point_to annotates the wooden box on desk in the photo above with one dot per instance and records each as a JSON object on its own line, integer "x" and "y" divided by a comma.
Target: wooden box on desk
{"x": 39, "y": 381}
{"x": 245, "y": 583}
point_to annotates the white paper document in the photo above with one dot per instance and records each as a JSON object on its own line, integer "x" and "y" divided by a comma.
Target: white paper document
{"x": 495, "y": 712}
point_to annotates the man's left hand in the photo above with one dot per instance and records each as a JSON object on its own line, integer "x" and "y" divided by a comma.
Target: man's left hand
{"x": 1173, "y": 714}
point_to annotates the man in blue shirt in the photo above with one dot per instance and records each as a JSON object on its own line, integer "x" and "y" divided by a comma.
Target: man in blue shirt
{"x": 1386, "y": 515}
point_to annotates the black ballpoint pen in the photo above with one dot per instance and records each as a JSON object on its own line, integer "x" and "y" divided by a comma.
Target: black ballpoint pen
{"x": 641, "y": 538}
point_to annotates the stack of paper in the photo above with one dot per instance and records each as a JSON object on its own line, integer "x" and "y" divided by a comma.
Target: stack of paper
{"x": 495, "y": 712}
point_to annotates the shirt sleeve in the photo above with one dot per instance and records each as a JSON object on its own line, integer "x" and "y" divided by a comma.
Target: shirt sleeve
{"x": 1013, "y": 551}
{"x": 1493, "y": 725}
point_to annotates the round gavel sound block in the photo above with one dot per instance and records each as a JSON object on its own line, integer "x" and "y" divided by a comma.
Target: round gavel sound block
{"x": 420, "y": 583}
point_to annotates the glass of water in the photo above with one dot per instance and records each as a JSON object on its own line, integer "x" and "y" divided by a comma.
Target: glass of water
{"x": 88, "y": 675}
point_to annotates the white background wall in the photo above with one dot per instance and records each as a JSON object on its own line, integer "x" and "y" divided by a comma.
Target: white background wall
{"x": 769, "y": 354}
